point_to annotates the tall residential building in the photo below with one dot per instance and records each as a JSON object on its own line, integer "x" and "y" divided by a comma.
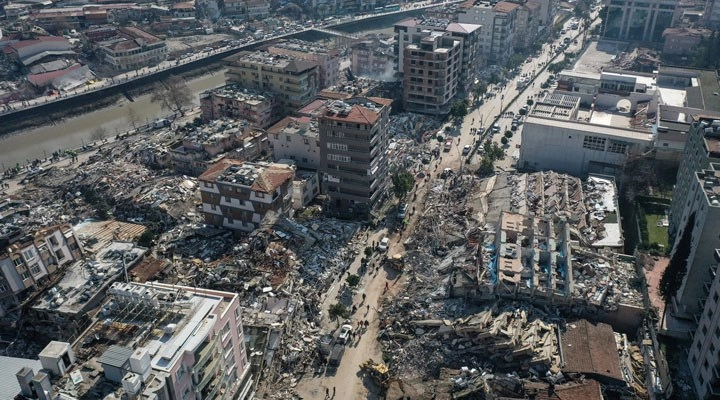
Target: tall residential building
{"x": 640, "y": 21}
{"x": 353, "y": 153}
{"x": 292, "y": 80}
{"x": 238, "y": 195}
{"x": 328, "y": 60}
{"x": 498, "y": 33}
{"x": 704, "y": 352}
{"x": 696, "y": 193}
{"x": 431, "y": 72}
{"x": 528, "y": 24}
{"x": 412, "y": 31}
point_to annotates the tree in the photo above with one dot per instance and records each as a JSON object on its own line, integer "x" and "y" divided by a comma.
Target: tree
{"x": 352, "y": 280}
{"x": 98, "y": 134}
{"x": 504, "y": 140}
{"x": 403, "y": 182}
{"x": 673, "y": 276}
{"x": 173, "y": 95}
{"x": 337, "y": 311}
{"x": 133, "y": 117}
{"x": 486, "y": 166}
{"x": 479, "y": 90}
{"x": 508, "y": 134}
{"x": 459, "y": 110}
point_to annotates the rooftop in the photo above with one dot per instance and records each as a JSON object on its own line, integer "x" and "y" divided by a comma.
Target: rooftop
{"x": 238, "y": 92}
{"x": 85, "y": 280}
{"x": 289, "y": 63}
{"x": 591, "y": 349}
{"x": 557, "y": 106}
{"x": 363, "y": 110}
{"x": 303, "y": 126}
{"x": 604, "y": 123}
{"x": 260, "y": 177}
{"x": 9, "y": 387}
{"x": 303, "y": 46}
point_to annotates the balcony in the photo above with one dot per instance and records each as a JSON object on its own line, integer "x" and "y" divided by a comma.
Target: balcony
{"x": 210, "y": 371}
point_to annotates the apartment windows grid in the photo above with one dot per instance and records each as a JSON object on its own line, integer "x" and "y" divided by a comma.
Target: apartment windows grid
{"x": 594, "y": 143}
{"x": 35, "y": 269}
{"x": 337, "y": 146}
{"x": 617, "y": 147}
{"x": 338, "y": 157}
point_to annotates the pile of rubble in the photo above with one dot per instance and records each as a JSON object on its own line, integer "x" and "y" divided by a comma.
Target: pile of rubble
{"x": 413, "y": 126}
{"x": 501, "y": 337}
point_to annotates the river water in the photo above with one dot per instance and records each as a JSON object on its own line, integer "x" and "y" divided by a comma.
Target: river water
{"x": 71, "y": 133}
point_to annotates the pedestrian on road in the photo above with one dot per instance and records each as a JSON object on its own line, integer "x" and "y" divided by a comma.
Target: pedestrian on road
{"x": 363, "y": 296}
{"x": 327, "y": 392}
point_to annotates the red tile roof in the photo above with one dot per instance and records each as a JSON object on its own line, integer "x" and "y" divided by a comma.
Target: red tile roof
{"x": 26, "y": 43}
{"x": 591, "y": 349}
{"x": 505, "y": 7}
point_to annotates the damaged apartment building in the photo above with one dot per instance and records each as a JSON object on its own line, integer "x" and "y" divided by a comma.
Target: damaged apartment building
{"x": 151, "y": 341}
{"x": 31, "y": 261}
{"x": 237, "y": 102}
{"x": 203, "y": 146}
{"x": 561, "y": 245}
{"x": 238, "y": 195}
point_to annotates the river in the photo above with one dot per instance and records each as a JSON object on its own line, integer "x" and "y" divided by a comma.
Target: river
{"x": 70, "y": 133}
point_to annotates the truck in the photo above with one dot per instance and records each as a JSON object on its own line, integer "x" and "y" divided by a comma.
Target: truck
{"x": 336, "y": 354}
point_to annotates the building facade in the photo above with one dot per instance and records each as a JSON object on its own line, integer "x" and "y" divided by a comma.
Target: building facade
{"x": 703, "y": 356}
{"x": 133, "y": 48}
{"x": 328, "y": 60}
{"x": 237, "y": 195}
{"x": 498, "y": 33}
{"x": 294, "y": 81}
{"x": 30, "y": 262}
{"x": 554, "y": 139}
{"x": 353, "y": 159}
{"x": 234, "y": 101}
{"x": 431, "y": 73}
{"x": 641, "y": 21}
{"x": 296, "y": 138}
{"x": 373, "y": 59}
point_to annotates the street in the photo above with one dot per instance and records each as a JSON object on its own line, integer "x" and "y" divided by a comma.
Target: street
{"x": 379, "y": 282}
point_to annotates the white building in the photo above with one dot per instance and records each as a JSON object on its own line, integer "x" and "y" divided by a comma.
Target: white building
{"x": 497, "y": 36}
{"x": 134, "y": 48}
{"x": 296, "y": 138}
{"x": 558, "y": 136}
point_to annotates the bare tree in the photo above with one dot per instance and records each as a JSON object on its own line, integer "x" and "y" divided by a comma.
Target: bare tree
{"x": 133, "y": 118}
{"x": 98, "y": 134}
{"x": 173, "y": 95}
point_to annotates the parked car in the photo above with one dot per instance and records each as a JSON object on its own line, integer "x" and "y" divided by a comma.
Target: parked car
{"x": 496, "y": 128}
{"x": 448, "y": 145}
{"x": 402, "y": 210}
{"x": 344, "y": 334}
{"x": 384, "y": 244}
{"x": 466, "y": 150}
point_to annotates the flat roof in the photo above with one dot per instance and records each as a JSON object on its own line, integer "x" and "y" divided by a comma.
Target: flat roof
{"x": 9, "y": 386}
{"x": 115, "y": 356}
{"x": 590, "y": 128}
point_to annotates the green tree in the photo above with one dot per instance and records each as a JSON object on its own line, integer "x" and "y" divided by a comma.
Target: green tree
{"x": 486, "y": 166}
{"x": 459, "y": 110}
{"x": 146, "y": 239}
{"x": 479, "y": 90}
{"x": 508, "y": 134}
{"x": 352, "y": 280}
{"x": 504, "y": 140}
{"x": 673, "y": 276}
{"x": 337, "y": 311}
{"x": 403, "y": 182}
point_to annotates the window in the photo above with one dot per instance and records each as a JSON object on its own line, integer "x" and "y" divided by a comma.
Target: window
{"x": 337, "y": 146}
{"x": 617, "y": 147}
{"x": 35, "y": 269}
{"x": 208, "y": 184}
{"x": 260, "y": 195}
{"x": 25, "y": 275}
{"x": 338, "y": 157}
{"x": 53, "y": 241}
{"x": 594, "y": 143}
{"x": 18, "y": 262}
{"x": 28, "y": 254}
{"x": 59, "y": 254}
{"x": 3, "y": 287}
